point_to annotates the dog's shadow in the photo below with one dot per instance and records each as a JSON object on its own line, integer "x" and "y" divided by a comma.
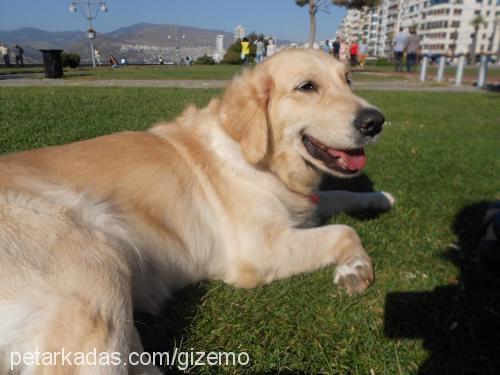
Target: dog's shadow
{"x": 359, "y": 184}
{"x": 460, "y": 322}
{"x": 165, "y": 332}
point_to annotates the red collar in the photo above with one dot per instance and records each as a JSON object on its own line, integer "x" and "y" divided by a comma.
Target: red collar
{"x": 314, "y": 198}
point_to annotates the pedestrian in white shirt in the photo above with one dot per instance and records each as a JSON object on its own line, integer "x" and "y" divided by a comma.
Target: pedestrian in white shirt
{"x": 271, "y": 48}
{"x": 399, "y": 46}
{"x": 5, "y": 54}
{"x": 97, "y": 56}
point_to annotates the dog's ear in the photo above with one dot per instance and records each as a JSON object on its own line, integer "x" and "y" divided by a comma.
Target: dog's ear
{"x": 245, "y": 117}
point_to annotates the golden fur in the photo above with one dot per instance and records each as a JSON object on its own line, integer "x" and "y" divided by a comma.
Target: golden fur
{"x": 92, "y": 228}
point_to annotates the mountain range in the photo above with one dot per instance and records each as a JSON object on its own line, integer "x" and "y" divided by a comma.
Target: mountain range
{"x": 139, "y": 43}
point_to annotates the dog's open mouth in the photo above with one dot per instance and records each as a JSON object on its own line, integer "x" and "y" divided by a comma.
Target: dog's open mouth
{"x": 342, "y": 161}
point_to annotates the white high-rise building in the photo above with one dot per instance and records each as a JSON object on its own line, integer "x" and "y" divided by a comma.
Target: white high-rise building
{"x": 239, "y": 32}
{"x": 444, "y": 26}
{"x": 219, "y": 48}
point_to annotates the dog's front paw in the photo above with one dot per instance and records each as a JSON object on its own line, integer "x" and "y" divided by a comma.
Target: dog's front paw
{"x": 355, "y": 275}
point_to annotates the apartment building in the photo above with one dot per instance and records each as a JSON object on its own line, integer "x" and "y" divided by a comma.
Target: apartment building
{"x": 444, "y": 26}
{"x": 239, "y": 32}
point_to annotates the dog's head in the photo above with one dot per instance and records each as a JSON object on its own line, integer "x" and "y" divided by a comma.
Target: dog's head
{"x": 296, "y": 115}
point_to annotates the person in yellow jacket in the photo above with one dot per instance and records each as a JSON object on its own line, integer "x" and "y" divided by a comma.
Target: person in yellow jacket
{"x": 245, "y": 50}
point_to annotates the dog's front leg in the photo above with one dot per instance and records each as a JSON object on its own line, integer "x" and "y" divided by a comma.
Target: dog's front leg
{"x": 294, "y": 251}
{"x": 337, "y": 201}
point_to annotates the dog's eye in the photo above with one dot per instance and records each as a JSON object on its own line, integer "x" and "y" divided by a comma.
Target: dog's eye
{"x": 307, "y": 86}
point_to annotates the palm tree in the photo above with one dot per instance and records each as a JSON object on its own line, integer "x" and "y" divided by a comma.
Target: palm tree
{"x": 476, "y": 22}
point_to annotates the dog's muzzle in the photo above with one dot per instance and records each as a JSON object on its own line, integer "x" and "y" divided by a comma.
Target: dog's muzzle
{"x": 369, "y": 121}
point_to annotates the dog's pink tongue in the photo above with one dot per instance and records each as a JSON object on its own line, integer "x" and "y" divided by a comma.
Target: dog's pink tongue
{"x": 354, "y": 160}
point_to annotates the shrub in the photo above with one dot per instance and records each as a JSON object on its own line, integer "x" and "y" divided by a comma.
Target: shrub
{"x": 233, "y": 53}
{"x": 70, "y": 59}
{"x": 380, "y": 62}
{"x": 232, "y": 57}
{"x": 205, "y": 60}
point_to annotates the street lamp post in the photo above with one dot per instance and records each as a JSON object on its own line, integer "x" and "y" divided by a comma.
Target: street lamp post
{"x": 177, "y": 45}
{"x": 89, "y": 10}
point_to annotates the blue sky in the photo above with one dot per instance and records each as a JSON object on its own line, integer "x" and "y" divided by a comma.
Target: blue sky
{"x": 280, "y": 18}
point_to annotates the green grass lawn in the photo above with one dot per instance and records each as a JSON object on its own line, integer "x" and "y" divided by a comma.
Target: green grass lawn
{"x": 469, "y": 71}
{"x": 222, "y": 72}
{"x": 432, "y": 308}
{"x": 157, "y": 72}
{"x": 217, "y": 72}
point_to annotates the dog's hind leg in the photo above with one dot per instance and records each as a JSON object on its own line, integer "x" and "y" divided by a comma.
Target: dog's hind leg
{"x": 98, "y": 340}
{"x": 65, "y": 290}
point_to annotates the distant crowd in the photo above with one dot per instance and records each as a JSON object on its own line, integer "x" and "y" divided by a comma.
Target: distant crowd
{"x": 112, "y": 60}
{"x": 263, "y": 49}
{"x": 18, "y": 53}
{"x": 355, "y": 52}
{"x": 351, "y": 52}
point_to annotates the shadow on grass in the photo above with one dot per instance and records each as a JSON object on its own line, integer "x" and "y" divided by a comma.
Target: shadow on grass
{"x": 358, "y": 184}
{"x": 459, "y": 322}
{"x": 5, "y": 76}
{"x": 493, "y": 87}
{"x": 164, "y": 332}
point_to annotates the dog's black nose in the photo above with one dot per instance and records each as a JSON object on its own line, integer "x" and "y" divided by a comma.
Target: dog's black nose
{"x": 369, "y": 121}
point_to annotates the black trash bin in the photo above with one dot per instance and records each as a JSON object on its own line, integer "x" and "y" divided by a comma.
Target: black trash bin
{"x": 52, "y": 62}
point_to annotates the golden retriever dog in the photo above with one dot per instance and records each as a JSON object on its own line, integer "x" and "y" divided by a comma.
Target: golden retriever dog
{"x": 91, "y": 230}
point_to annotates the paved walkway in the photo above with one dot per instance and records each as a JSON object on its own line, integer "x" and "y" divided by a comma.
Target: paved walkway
{"x": 392, "y": 85}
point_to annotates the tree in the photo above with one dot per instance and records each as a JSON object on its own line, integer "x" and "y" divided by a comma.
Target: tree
{"x": 233, "y": 52}
{"x": 476, "y": 22}
{"x": 205, "y": 60}
{"x": 356, "y": 4}
{"x": 70, "y": 59}
{"x": 316, "y": 6}
{"x": 232, "y": 55}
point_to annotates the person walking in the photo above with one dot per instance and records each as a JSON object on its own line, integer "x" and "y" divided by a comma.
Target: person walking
{"x": 336, "y": 48}
{"x": 245, "y": 50}
{"x": 259, "y": 50}
{"x": 398, "y": 49}
{"x": 5, "y": 54}
{"x": 18, "y": 53}
{"x": 344, "y": 51}
{"x": 363, "y": 53}
{"x": 412, "y": 46}
{"x": 97, "y": 56}
{"x": 325, "y": 46}
{"x": 354, "y": 53}
{"x": 113, "y": 62}
{"x": 271, "y": 48}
